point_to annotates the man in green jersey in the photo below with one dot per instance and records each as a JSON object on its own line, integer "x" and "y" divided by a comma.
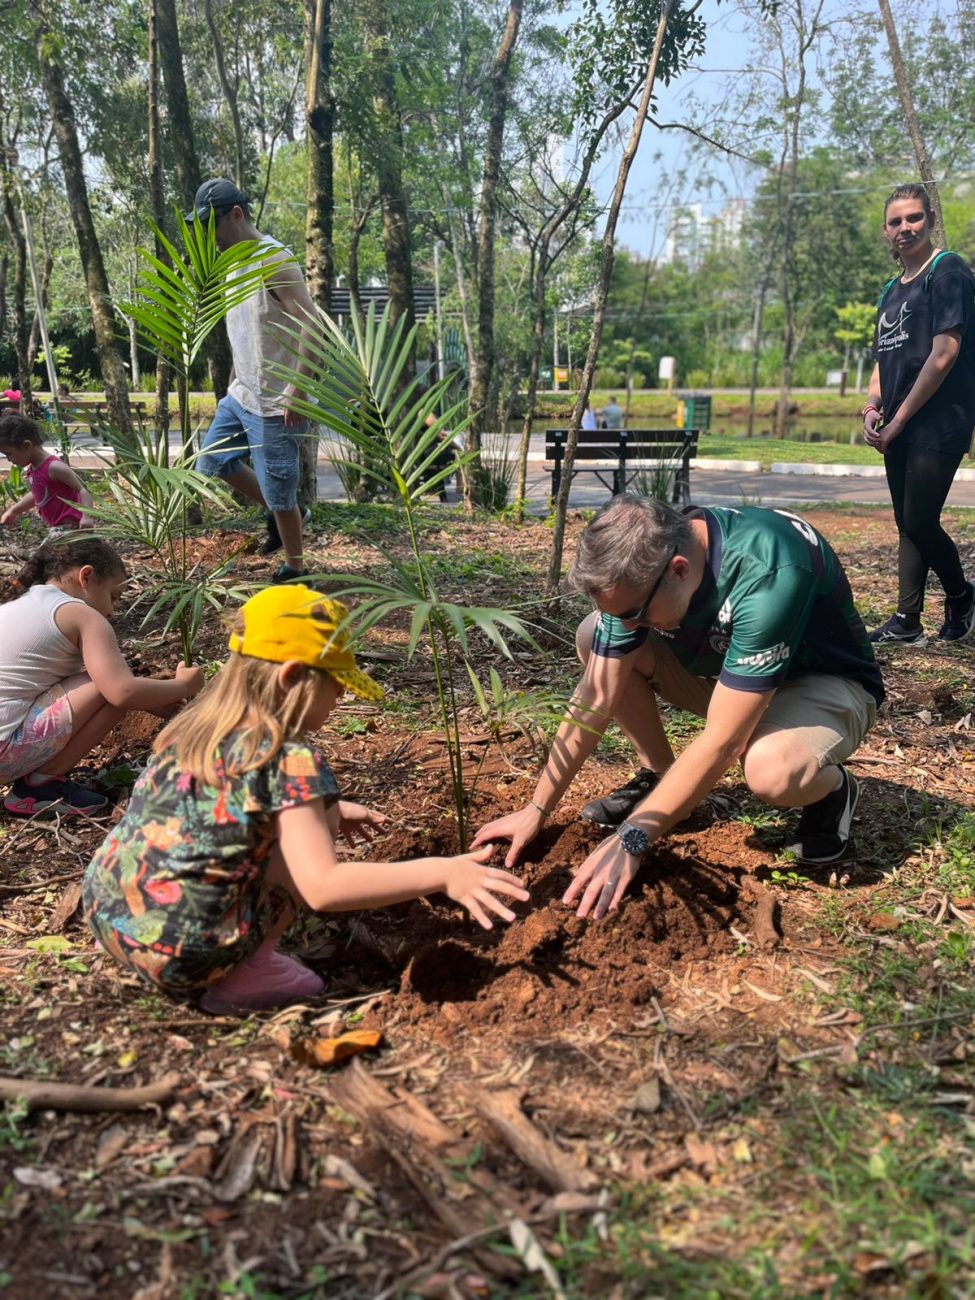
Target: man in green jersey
{"x": 744, "y": 616}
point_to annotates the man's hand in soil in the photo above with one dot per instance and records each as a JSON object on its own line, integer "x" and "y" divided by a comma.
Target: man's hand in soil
{"x": 356, "y": 823}
{"x": 468, "y": 882}
{"x": 602, "y": 879}
{"x": 519, "y": 827}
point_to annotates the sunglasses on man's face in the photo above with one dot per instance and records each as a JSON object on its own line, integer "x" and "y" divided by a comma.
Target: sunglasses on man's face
{"x": 638, "y": 615}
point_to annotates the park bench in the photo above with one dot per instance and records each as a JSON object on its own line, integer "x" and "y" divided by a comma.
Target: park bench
{"x": 628, "y": 455}
{"x": 83, "y": 414}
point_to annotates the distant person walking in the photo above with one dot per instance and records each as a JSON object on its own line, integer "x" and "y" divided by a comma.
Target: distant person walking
{"x": 612, "y": 415}
{"x": 257, "y": 416}
{"x": 920, "y": 411}
{"x": 589, "y": 418}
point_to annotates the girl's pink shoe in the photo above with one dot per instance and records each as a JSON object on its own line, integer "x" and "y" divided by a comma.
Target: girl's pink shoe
{"x": 267, "y": 980}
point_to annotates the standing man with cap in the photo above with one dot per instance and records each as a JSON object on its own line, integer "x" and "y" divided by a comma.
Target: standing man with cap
{"x": 257, "y": 416}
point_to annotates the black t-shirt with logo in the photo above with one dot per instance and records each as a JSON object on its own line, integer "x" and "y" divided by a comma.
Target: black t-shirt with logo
{"x": 909, "y": 317}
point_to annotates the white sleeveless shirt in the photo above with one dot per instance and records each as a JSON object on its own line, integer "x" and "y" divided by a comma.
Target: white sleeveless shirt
{"x": 34, "y": 653}
{"x": 257, "y": 339}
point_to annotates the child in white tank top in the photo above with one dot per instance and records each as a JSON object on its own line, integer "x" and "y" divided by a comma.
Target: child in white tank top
{"x": 63, "y": 681}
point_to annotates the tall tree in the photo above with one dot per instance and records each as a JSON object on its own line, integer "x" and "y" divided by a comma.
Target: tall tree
{"x": 911, "y": 119}
{"x": 229, "y": 87}
{"x": 388, "y": 160}
{"x": 602, "y": 294}
{"x": 96, "y": 279}
{"x": 319, "y": 128}
{"x": 499, "y": 98}
{"x": 157, "y": 197}
{"x": 186, "y": 159}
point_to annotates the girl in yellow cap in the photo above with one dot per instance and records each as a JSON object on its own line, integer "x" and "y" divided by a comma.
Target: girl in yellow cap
{"x": 232, "y": 826}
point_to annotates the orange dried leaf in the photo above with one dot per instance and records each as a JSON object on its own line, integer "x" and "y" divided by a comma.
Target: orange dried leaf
{"x": 329, "y": 1051}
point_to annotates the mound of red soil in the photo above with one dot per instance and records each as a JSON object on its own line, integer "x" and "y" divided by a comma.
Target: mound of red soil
{"x": 549, "y": 968}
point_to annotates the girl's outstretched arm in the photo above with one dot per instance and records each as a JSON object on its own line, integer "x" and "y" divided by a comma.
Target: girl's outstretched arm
{"x": 328, "y": 885}
{"x": 106, "y": 667}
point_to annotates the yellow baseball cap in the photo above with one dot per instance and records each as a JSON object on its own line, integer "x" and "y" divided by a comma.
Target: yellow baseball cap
{"x": 294, "y": 622}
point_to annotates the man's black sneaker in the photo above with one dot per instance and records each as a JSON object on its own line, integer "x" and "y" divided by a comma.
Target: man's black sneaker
{"x": 825, "y": 826}
{"x": 959, "y": 617}
{"x": 614, "y": 808}
{"x": 273, "y": 540}
{"x": 284, "y": 573}
{"x": 897, "y": 629}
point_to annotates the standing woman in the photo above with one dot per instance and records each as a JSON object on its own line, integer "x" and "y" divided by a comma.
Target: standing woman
{"x": 920, "y": 412}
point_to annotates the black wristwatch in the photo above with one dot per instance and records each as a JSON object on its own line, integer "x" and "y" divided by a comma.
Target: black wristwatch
{"x": 633, "y": 839}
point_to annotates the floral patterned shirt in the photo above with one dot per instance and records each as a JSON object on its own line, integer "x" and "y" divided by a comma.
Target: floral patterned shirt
{"x": 183, "y": 871}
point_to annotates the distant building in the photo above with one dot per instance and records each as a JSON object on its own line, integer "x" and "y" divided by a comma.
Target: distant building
{"x": 692, "y": 236}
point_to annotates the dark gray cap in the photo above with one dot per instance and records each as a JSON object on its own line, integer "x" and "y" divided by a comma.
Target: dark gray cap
{"x": 221, "y": 195}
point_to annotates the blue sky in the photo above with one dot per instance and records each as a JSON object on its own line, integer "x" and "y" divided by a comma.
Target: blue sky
{"x": 668, "y": 168}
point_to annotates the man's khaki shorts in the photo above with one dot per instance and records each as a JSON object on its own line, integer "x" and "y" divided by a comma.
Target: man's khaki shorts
{"x": 829, "y": 715}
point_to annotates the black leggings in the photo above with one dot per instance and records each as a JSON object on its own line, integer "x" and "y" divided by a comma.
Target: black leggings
{"x": 919, "y": 481}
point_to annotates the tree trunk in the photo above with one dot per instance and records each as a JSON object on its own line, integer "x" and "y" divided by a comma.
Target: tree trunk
{"x": 543, "y": 263}
{"x": 158, "y": 202}
{"x": 534, "y": 365}
{"x": 602, "y": 295}
{"x": 791, "y": 335}
{"x": 462, "y": 294}
{"x": 319, "y": 125}
{"x": 757, "y": 344}
{"x": 229, "y": 94}
{"x": 389, "y": 165}
{"x": 483, "y": 377}
{"x": 913, "y": 125}
{"x": 319, "y": 250}
{"x": 186, "y": 162}
{"x": 96, "y": 280}
{"x": 16, "y": 237}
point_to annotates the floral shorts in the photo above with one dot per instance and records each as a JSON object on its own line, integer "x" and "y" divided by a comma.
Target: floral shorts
{"x": 42, "y": 734}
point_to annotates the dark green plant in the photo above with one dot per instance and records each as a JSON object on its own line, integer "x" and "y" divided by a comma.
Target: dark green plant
{"x": 396, "y": 430}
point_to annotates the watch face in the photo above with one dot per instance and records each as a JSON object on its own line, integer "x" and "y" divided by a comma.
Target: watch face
{"x": 633, "y": 839}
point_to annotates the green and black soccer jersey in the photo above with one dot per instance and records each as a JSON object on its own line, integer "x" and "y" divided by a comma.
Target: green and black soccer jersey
{"x": 774, "y": 602}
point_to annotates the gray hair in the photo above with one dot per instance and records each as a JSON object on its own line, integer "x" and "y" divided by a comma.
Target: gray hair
{"x": 628, "y": 541}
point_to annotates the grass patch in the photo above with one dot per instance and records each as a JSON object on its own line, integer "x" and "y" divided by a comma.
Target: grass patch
{"x": 769, "y": 451}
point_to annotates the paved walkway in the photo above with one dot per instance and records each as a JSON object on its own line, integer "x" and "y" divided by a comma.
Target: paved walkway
{"x": 712, "y": 482}
{"x": 709, "y": 487}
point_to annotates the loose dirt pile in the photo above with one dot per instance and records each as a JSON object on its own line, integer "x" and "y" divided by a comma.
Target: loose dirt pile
{"x": 550, "y": 967}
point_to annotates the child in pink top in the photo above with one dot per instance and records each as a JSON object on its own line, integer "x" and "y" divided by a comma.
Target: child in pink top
{"x": 56, "y": 492}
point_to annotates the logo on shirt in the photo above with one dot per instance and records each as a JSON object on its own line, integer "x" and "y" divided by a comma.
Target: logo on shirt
{"x": 776, "y": 654}
{"x": 892, "y": 333}
{"x": 724, "y": 614}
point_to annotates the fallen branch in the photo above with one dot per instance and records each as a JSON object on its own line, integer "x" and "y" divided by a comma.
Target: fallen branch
{"x": 78, "y": 1096}
{"x": 40, "y": 884}
{"x": 503, "y": 1112}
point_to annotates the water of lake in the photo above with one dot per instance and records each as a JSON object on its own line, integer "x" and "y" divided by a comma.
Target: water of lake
{"x": 825, "y": 428}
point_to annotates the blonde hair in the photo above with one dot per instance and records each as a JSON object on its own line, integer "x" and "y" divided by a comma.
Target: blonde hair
{"x": 244, "y": 697}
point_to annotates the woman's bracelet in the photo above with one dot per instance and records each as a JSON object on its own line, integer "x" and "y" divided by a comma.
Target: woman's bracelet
{"x": 870, "y": 406}
{"x": 544, "y": 811}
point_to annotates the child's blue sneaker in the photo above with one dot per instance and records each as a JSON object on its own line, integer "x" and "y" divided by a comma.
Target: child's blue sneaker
{"x": 27, "y": 800}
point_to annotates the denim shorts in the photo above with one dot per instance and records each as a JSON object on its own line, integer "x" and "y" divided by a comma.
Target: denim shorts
{"x": 43, "y": 733}
{"x": 273, "y": 450}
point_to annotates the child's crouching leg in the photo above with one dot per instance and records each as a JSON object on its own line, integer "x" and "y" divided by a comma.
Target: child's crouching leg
{"x": 269, "y": 978}
{"x": 92, "y": 718}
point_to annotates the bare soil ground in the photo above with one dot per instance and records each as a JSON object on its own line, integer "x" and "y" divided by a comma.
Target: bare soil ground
{"x": 753, "y": 1080}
